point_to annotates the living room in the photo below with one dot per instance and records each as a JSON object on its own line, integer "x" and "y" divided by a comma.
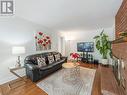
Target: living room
{"x": 36, "y": 34}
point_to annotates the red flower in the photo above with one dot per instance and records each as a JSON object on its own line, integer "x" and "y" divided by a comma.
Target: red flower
{"x": 45, "y": 40}
{"x": 40, "y": 41}
{"x": 47, "y": 37}
{"x": 49, "y": 41}
{"x": 74, "y": 55}
{"x": 44, "y": 45}
{"x": 35, "y": 37}
{"x": 40, "y": 33}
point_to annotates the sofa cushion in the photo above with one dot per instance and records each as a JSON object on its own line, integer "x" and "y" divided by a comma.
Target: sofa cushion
{"x": 51, "y": 59}
{"x": 32, "y": 59}
{"x": 54, "y": 53}
{"x": 55, "y": 63}
{"x": 41, "y": 61}
{"x": 57, "y": 57}
{"x": 46, "y": 67}
{"x": 58, "y": 62}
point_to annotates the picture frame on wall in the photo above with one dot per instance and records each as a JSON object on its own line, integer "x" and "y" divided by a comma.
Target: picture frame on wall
{"x": 42, "y": 41}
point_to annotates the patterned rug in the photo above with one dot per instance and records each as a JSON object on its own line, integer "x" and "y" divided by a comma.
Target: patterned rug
{"x": 55, "y": 85}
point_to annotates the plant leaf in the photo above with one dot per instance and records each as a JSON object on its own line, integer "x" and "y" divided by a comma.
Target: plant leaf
{"x": 96, "y": 37}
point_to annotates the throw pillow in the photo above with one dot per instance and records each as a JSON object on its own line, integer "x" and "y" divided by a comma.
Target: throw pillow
{"x": 41, "y": 61}
{"x": 57, "y": 57}
{"x": 51, "y": 59}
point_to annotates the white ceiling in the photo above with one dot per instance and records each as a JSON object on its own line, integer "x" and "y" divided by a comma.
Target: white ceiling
{"x": 69, "y": 14}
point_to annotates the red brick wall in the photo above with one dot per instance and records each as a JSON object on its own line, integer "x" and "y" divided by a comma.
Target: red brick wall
{"x": 121, "y": 19}
{"x": 120, "y": 49}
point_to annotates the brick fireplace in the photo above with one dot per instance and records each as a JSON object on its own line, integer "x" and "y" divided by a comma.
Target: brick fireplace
{"x": 119, "y": 48}
{"x": 120, "y": 64}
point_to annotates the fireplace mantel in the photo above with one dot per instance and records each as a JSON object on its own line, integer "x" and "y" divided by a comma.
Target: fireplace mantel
{"x": 119, "y": 40}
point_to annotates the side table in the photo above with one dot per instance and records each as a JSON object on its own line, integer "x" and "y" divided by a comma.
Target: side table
{"x": 12, "y": 70}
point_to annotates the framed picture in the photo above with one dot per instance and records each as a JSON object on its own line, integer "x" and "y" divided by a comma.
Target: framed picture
{"x": 42, "y": 41}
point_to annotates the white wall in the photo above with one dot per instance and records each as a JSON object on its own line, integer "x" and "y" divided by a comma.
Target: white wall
{"x": 73, "y": 37}
{"x": 15, "y": 31}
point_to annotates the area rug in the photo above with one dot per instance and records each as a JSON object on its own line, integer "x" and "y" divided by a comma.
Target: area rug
{"x": 54, "y": 84}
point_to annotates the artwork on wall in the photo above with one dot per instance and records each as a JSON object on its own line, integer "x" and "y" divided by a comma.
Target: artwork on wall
{"x": 43, "y": 41}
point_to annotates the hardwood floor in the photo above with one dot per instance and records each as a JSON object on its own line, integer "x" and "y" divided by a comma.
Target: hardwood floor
{"x": 97, "y": 83}
{"x": 30, "y": 88}
{"x": 108, "y": 81}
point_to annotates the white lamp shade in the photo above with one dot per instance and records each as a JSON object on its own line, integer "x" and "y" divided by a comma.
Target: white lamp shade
{"x": 18, "y": 50}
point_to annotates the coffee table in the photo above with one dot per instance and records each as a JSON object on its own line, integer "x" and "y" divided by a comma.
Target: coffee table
{"x": 69, "y": 65}
{"x": 71, "y": 72}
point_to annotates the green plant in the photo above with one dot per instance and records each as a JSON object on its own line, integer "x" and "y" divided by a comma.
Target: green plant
{"x": 103, "y": 45}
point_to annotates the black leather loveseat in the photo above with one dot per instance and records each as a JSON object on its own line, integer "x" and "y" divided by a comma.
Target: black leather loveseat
{"x": 35, "y": 72}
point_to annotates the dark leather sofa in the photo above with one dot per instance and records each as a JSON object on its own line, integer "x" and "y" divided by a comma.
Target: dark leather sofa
{"x": 35, "y": 73}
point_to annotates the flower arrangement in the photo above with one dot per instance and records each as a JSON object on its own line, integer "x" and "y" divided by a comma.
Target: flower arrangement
{"x": 43, "y": 42}
{"x": 74, "y": 57}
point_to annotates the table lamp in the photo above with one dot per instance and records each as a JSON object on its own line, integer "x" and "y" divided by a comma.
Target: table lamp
{"x": 18, "y": 50}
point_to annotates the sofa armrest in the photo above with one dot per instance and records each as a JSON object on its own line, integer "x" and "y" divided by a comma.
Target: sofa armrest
{"x": 31, "y": 66}
{"x": 65, "y": 58}
{"x": 32, "y": 72}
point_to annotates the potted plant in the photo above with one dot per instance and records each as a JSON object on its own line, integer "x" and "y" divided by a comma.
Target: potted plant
{"x": 103, "y": 45}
